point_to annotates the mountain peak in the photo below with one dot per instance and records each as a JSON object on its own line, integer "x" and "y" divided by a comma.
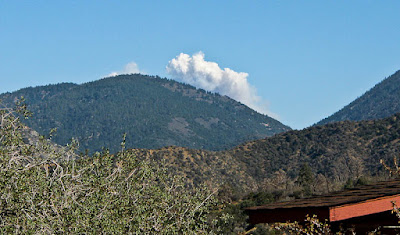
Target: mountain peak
{"x": 154, "y": 112}
{"x": 383, "y": 100}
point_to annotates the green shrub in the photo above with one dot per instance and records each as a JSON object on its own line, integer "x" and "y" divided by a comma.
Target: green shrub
{"x": 46, "y": 189}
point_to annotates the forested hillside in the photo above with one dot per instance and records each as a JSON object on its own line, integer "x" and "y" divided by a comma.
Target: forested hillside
{"x": 294, "y": 164}
{"x": 381, "y": 101}
{"x": 152, "y": 111}
{"x": 335, "y": 154}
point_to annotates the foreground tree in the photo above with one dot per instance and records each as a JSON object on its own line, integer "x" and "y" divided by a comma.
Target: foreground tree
{"x": 46, "y": 189}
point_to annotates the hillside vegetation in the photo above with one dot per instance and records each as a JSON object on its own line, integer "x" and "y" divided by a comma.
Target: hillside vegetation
{"x": 381, "y": 101}
{"x": 49, "y": 189}
{"x": 153, "y": 112}
{"x": 45, "y": 190}
{"x": 335, "y": 154}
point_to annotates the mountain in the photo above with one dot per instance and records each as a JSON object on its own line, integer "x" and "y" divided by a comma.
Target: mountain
{"x": 381, "y": 101}
{"x": 152, "y": 111}
{"x": 335, "y": 152}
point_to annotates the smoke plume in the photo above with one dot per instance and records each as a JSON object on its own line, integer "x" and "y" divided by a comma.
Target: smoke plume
{"x": 207, "y": 75}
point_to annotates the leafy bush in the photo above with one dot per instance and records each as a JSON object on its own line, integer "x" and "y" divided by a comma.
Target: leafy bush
{"x": 311, "y": 225}
{"x": 47, "y": 189}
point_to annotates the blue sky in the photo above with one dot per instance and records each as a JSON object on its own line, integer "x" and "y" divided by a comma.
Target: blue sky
{"x": 306, "y": 59}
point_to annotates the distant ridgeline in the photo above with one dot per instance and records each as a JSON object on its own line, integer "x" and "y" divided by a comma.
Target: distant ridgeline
{"x": 381, "y": 101}
{"x": 335, "y": 152}
{"x": 152, "y": 111}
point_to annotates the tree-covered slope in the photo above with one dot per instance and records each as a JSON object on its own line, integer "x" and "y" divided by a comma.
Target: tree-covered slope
{"x": 381, "y": 101}
{"x": 335, "y": 153}
{"x": 153, "y": 112}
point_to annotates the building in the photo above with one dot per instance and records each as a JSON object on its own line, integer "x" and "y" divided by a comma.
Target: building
{"x": 364, "y": 208}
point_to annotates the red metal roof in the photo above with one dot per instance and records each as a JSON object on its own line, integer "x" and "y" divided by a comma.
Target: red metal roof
{"x": 338, "y": 206}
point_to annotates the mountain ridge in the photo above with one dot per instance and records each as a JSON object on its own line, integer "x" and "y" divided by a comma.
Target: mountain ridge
{"x": 154, "y": 112}
{"x": 336, "y": 153}
{"x": 383, "y": 100}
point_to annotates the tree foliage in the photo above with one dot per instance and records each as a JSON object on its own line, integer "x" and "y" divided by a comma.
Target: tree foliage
{"x": 382, "y": 101}
{"x": 47, "y": 189}
{"x": 310, "y": 226}
{"x": 306, "y": 179}
{"x": 152, "y": 111}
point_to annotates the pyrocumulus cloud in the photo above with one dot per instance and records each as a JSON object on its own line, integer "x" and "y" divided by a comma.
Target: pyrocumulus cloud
{"x": 207, "y": 75}
{"x": 130, "y": 68}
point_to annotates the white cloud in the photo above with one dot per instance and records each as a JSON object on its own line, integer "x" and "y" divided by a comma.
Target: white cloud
{"x": 208, "y": 75}
{"x": 130, "y": 68}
